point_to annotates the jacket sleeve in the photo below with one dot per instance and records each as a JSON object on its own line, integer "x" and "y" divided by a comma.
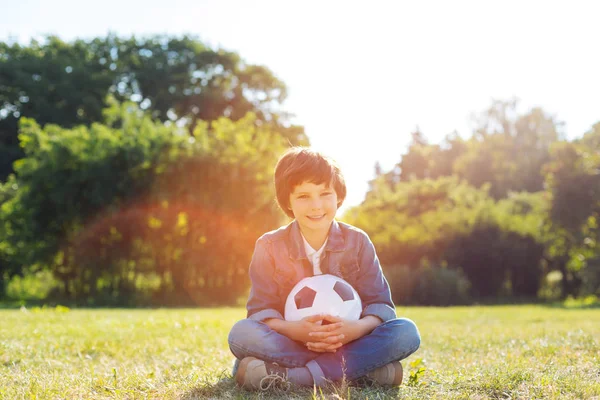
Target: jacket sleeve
{"x": 372, "y": 287}
{"x": 263, "y": 302}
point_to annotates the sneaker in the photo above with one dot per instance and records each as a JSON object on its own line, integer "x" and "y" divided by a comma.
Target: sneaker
{"x": 255, "y": 374}
{"x": 388, "y": 375}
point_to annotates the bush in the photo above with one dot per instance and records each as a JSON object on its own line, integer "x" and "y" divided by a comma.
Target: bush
{"x": 427, "y": 285}
{"x": 31, "y": 286}
{"x": 492, "y": 258}
{"x": 551, "y": 288}
{"x": 438, "y": 286}
{"x": 137, "y": 212}
{"x": 401, "y": 279}
{"x": 591, "y": 278}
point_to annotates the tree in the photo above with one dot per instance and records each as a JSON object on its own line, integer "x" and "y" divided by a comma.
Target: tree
{"x": 414, "y": 164}
{"x": 508, "y": 150}
{"x": 177, "y": 79}
{"x": 447, "y": 223}
{"x": 131, "y": 209}
{"x": 423, "y": 160}
{"x": 504, "y": 248}
{"x": 9, "y": 265}
{"x": 573, "y": 179}
{"x": 415, "y": 220}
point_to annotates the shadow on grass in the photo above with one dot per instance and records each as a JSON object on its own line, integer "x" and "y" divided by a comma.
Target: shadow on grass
{"x": 226, "y": 388}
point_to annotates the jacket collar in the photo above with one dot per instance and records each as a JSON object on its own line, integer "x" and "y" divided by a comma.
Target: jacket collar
{"x": 335, "y": 240}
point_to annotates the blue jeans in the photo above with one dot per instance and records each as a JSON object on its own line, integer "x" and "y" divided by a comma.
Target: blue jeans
{"x": 393, "y": 340}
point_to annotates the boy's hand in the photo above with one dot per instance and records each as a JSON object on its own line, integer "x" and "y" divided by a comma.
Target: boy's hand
{"x": 300, "y": 330}
{"x": 328, "y": 338}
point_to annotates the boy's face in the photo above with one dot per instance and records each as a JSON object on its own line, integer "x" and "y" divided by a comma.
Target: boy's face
{"x": 314, "y": 206}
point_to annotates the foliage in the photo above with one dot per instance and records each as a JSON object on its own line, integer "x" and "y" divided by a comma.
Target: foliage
{"x": 508, "y": 150}
{"x": 573, "y": 180}
{"x": 505, "y": 153}
{"x": 417, "y": 371}
{"x": 413, "y": 220}
{"x": 427, "y": 285}
{"x": 507, "y": 206}
{"x": 174, "y": 78}
{"x": 116, "y": 206}
{"x": 143, "y": 177}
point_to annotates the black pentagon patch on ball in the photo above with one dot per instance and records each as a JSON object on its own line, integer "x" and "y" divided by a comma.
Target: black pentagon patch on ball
{"x": 305, "y": 298}
{"x": 344, "y": 290}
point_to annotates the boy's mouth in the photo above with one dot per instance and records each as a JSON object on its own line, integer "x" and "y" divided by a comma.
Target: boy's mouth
{"x": 315, "y": 217}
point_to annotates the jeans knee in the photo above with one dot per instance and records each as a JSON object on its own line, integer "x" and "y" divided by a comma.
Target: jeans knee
{"x": 407, "y": 336}
{"x": 414, "y": 333}
{"x": 244, "y": 333}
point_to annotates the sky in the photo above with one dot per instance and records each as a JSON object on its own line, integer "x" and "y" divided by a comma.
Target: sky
{"x": 361, "y": 76}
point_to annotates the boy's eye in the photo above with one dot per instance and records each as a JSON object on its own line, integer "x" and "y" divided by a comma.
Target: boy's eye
{"x": 326, "y": 194}
{"x": 302, "y": 196}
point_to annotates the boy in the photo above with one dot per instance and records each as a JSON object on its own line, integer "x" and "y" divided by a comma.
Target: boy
{"x": 310, "y": 188}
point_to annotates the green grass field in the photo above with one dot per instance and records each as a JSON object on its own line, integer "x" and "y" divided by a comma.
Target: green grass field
{"x": 498, "y": 352}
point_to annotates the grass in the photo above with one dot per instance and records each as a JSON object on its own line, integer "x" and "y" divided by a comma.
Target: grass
{"x": 480, "y": 352}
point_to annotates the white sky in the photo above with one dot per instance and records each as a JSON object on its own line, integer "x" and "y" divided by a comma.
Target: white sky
{"x": 362, "y": 75}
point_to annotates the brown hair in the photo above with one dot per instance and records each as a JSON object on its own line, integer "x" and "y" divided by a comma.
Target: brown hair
{"x": 302, "y": 164}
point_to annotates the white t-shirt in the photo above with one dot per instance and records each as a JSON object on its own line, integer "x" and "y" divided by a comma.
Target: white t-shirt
{"x": 314, "y": 256}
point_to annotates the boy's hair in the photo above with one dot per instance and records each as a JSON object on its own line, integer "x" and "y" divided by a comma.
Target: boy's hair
{"x": 301, "y": 164}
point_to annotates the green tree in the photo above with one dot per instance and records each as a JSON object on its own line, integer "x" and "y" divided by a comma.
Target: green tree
{"x": 503, "y": 252}
{"x": 177, "y": 79}
{"x": 423, "y": 160}
{"x": 447, "y": 223}
{"x": 573, "y": 179}
{"x": 9, "y": 265}
{"x": 131, "y": 209}
{"x": 415, "y": 220}
{"x": 508, "y": 150}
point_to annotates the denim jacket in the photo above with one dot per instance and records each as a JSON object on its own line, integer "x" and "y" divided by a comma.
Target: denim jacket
{"x": 279, "y": 262}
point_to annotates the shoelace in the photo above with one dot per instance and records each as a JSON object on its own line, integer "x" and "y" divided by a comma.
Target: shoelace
{"x": 275, "y": 381}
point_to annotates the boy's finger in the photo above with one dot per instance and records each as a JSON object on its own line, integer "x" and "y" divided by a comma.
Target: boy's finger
{"x": 323, "y": 335}
{"x": 316, "y": 350}
{"x": 322, "y": 350}
{"x": 334, "y": 339}
{"x": 331, "y": 340}
{"x": 334, "y": 346}
{"x": 317, "y": 345}
{"x": 329, "y": 343}
{"x": 328, "y": 328}
{"x": 332, "y": 318}
{"x": 314, "y": 318}
{"x": 324, "y": 345}
{"x": 320, "y": 336}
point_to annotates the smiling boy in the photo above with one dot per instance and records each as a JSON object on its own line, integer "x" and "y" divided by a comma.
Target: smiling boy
{"x": 310, "y": 188}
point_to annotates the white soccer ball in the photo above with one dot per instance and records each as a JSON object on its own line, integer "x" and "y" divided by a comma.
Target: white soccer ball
{"x": 323, "y": 294}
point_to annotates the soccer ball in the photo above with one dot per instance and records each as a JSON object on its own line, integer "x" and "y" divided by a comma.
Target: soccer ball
{"x": 323, "y": 294}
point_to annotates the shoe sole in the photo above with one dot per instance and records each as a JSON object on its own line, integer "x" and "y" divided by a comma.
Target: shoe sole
{"x": 399, "y": 374}
{"x": 241, "y": 372}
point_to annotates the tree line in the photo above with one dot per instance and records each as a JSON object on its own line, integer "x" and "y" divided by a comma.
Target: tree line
{"x": 490, "y": 216}
{"x": 138, "y": 171}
